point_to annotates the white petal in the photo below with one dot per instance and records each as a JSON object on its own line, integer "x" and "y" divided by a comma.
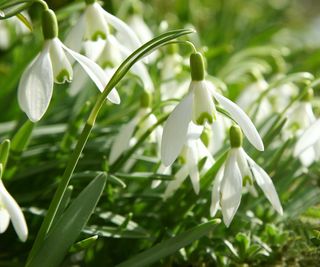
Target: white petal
{"x": 62, "y": 70}
{"x": 215, "y": 193}
{"x": 123, "y": 29}
{"x": 231, "y": 189}
{"x": 192, "y": 165}
{"x": 91, "y": 68}
{"x": 75, "y": 36}
{"x": 162, "y": 170}
{"x": 35, "y": 87}
{"x": 15, "y": 213}
{"x": 122, "y": 140}
{"x": 203, "y": 106}
{"x": 194, "y": 131}
{"x": 4, "y": 219}
{"x": 175, "y": 131}
{"x": 79, "y": 82}
{"x": 265, "y": 183}
{"x": 173, "y": 185}
{"x": 114, "y": 97}
{"x": 308, "y": 156}
{"x": 308, "y": 138}
{"x": 242, "y": 119}
{"x": 95, "y": 26}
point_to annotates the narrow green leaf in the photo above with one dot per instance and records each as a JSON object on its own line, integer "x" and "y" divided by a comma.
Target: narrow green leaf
{"x": 84, "y": 244}
{"x": 25, "y": 21}
{"x": 4, "y": 152}
{"x": 66, "y": 230}
{"x": 21, "y": 139}
{"x": 170, "y": 246}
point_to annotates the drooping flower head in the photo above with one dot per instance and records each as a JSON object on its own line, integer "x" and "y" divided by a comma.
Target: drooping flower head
{"x": 198, "y": 107}
{"x": 239, "y": 170}
{"x": 94, "y": 25}
{"x": 52, "y": 65}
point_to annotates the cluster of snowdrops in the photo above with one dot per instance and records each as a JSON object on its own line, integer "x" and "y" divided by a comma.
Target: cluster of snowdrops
{"x": 199, "y": 122}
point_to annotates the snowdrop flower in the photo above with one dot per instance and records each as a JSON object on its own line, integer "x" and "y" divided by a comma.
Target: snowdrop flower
{"x": 198, "y": 106}
{"x": 308, "y": 146}
{"x": 144, "y": 120}
{"x": 52, "y": 65}
{"x": 301, "y": 115}
{"x": 9, "y": 209}
{"x": 7, "y": 25}
{"x": 192, "y": 153}
{"x": 250, "y": 95}
{"x": 171, "y": 66}
{"x": 94, "y": 25}
{"x": 238, "y": 170}
{"x": 111, "y": 56}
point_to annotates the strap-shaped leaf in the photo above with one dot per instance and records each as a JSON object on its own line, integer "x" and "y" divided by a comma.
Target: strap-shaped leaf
{"x": 169, "y": 246}
{"x": 66, "y": 230}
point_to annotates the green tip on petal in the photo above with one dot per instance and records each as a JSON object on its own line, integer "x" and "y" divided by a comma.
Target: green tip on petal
{"x": 63, "y": 76}
{"x": 205, "y": 117}
{"x": 145, "y": 100}
{"x": 247, "y": 180}
{"x": 49, "y": 24}
{"x": 308, "y": 95}
{"x": 197, "y": 67}
{"x": 235, "y": 135}
{"x": 98, "y": 35}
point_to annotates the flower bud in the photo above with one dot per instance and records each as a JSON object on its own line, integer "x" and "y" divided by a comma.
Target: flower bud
{"x": 197, "y": 67}
{"x": 49, "y": 24}
{"x": 235, "y": 136}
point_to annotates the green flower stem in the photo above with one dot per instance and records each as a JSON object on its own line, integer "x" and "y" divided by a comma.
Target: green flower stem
{"x": 147, "y": 48}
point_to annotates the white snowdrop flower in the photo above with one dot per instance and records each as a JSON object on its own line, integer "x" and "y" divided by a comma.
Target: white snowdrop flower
{"x": 52, "y": 65}
{"x": 11, "y": 24}
{"x": 143, "y": 120}
{"x": 114, "y": 53}
{"x": 170, "y": 67}
{"x": 192, "y": 153}
{"x": 10, "y": 210}
{"x": 198, "y": 106}
{"x": 238, "y": 170}
{"x": 94, "y": 24}
{"x": 307, "y": 147}
{"x": 249, "y": 96}
{"x": 300, "y": 116}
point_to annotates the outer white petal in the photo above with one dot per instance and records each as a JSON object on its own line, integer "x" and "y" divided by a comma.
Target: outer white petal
{"x": 242, "y": 119}
{"x": 122, "y": 140}
{"x": 265, "y": 183}
{"x": 162, "y": 170}
{"x": 175, "y": 131}
{"x": 231, "y": 189}
{"x": 123, "y": 29}
{"x": 95, "y": 72}
{"x": 192, "y": 165}
{"x": 15, "y": 212}
{"x": 4, "y": 219}
{"x": 308, "y": 156}
{"x": 180, "y": 176}
{"x": 308, "y": 138}
{"x": 215, "y": 193}
{"x": 75, "y": 36}
{"x": 36, "y": 85}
